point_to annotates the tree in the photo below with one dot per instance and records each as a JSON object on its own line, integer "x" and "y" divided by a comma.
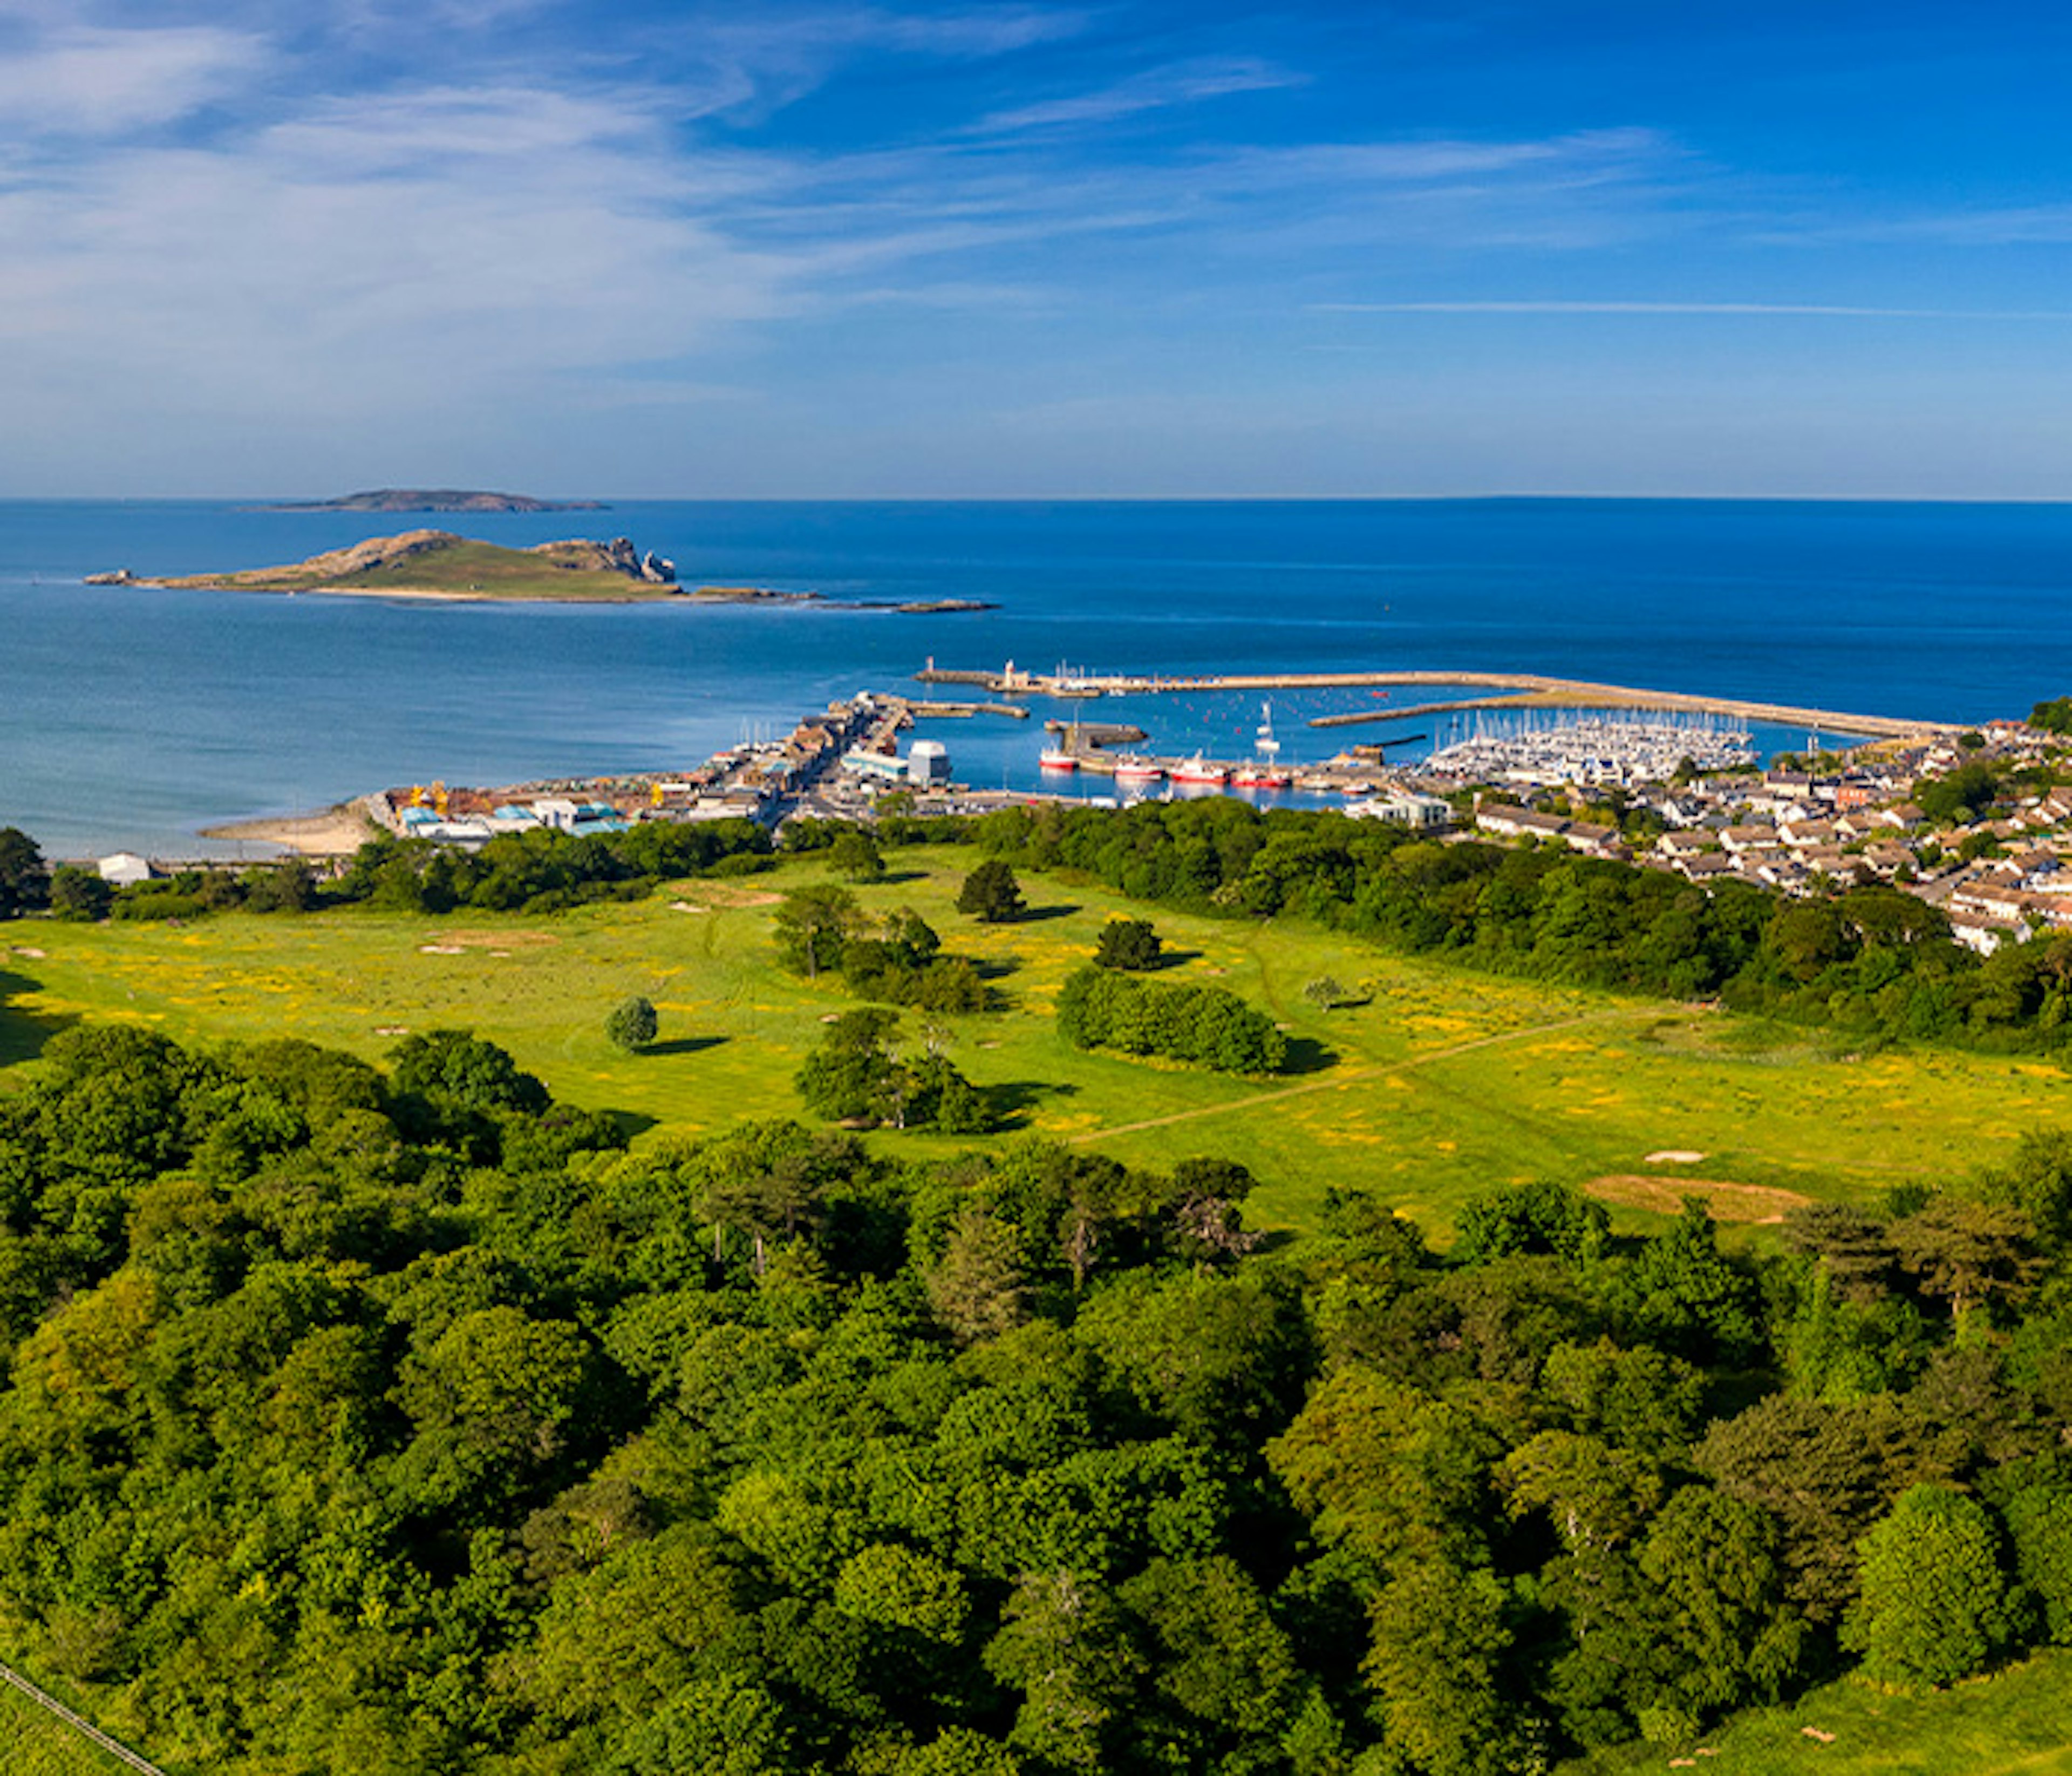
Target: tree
{"x": 1968, "y": 1253}
{"x": 855, "y": 854}
{"x": 2039, "y": 1523}
{"x": 631, "y": 1025}
{"x": 850, "y": 1074}
{"x": 1129, "y": 943}
{"x": 1439, "y": 1633}
{"x": 813, "y": 927}
{"x": 976, "y": 1289}
{"x": 80, "y": 894}
{"x": 1934, "y": 1603}
{"x": 1066, "y": 1644}
{"x": 1325, "y": 991}
{"x": 991, "y": 895}
{"x": 25, "y": 884}
{"x": 456, "y": 1067}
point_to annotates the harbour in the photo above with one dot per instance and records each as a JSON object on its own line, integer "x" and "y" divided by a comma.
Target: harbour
{"x": 1528, "y": 689}
{"x": 255, "y": 706}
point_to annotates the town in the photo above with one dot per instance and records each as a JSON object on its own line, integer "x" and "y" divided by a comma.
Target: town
{"x": 1975, "y": 822}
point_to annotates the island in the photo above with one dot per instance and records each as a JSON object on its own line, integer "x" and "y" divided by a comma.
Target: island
{"x": 437, "y": 563}
{"x": 435, "y": 499}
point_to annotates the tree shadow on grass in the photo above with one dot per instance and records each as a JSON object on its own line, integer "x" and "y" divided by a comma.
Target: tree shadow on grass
{"x": 1013, "y": 1102}
{"x": 22, "y": 1034}
{"x": 1306, "y": 1054}
{"x": 631, "y": 1124}
{"x": 1036, "y": 914}
{"x": 684, "y": 1044}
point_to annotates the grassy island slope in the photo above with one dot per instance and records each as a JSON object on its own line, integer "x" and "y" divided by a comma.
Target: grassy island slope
{"x": 438, "y": 564}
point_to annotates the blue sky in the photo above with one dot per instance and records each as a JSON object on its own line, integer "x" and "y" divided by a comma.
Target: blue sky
{"x": 826, "y": 250}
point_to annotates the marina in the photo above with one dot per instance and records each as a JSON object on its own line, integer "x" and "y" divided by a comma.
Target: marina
{"x": 1549, "y": 748}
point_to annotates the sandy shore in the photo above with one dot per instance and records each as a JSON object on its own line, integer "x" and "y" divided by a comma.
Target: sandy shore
{"x": 334, "y": 832}
{"x": 414, "y": 594}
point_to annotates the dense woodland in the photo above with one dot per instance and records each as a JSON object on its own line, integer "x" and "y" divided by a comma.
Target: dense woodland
{"x": 403, "y": 1422}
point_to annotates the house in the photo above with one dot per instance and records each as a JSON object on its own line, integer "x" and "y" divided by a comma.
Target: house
{"x": 124, "y": 869}
{"x": 1419, "y": 813}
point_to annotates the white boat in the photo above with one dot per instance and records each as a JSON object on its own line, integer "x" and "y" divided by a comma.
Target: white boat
{"x": 1197, "y": 772}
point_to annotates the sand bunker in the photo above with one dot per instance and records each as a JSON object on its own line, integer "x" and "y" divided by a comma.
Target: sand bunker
{"x": 1672, "y": 1156}
{"x": 1725, "y": 1200}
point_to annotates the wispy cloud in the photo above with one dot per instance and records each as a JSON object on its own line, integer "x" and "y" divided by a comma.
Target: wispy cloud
{"x": 84, "y": 82}
{"x": 1837, "y": 311}
{"x": 1156, "y": 89}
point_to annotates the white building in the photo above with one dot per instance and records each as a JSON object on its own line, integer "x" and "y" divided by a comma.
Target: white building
{"x": 124, "y": 869}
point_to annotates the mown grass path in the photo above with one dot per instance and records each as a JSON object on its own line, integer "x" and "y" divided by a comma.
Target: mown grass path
{"x": 1348, "y": 1076}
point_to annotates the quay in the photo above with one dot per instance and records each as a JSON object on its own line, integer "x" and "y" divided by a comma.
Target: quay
{"x": 1542, "y": 691}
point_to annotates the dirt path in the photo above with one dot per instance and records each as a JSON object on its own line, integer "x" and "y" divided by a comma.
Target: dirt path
{"x": 1346, "y": 1076}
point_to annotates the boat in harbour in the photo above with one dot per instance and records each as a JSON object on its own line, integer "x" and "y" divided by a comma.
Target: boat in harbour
{"x": 1130, "y": 768}
{"x": 1056, "y": 758}
{"x": 1266, "y": 773}
{"x": 1200, "y": 773}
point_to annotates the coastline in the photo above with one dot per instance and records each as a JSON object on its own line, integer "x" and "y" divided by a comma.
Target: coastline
{"x": 335, "y": 832}
{"x": 414, "y": 594}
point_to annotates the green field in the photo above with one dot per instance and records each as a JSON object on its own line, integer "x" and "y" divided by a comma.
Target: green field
{"x": 38, "y": 1744}
{"x": 1439, "y": 1083}
{"x": 2017, "y": 1724}
{"x": 460, "y": 566}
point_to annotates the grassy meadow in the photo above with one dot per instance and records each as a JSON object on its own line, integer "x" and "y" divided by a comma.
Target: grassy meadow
{"x": 38, "y": 1744}
{"x": 2018, "y": 1723}
{"x": 1438, "y": 1082}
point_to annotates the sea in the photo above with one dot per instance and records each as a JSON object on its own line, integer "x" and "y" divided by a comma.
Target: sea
{"x": 131, "y": 716}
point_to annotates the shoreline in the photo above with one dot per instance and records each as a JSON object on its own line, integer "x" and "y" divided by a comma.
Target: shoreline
{"x": 336, "y": 832}
{"x": 413, "y": 594}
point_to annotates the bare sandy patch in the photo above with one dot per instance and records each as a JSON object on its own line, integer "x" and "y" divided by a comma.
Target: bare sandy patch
{"x": 451, "y": 943}
{"x": 1672, "y": 1156}
{"x": 1759, "y": 1204}
{"x": 726, "y": 894}
{"x": 331, "y": 832}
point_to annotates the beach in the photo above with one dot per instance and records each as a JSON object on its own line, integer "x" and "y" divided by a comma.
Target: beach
{"x": 330, "y": 832}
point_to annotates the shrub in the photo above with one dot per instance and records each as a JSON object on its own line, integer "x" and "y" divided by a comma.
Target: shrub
{"x": 632, "y": 1024}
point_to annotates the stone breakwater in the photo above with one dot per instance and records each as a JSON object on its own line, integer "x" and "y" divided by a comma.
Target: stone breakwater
{"x": 1540, "y": 690}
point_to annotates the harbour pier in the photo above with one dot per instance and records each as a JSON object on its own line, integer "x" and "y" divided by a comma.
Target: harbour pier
{"x": 1530, "y": 690}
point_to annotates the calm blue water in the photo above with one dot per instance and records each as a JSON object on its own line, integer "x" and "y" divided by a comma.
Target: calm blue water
{"x": 130, "y": 716}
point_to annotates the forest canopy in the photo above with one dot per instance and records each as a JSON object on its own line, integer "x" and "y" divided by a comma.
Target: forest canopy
{"x": 387, "y": 1421}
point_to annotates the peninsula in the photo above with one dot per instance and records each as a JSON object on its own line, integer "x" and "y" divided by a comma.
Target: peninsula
{"x": 434, "y": 499}
{"x": 437, "y": 563}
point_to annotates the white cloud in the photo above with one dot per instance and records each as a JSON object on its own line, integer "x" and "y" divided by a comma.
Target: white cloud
{"x": 373, "y": 258}
{"x": 84, "y": 82}
{"x": 1834, "y": 311}
{"x": 1179, "y": 82}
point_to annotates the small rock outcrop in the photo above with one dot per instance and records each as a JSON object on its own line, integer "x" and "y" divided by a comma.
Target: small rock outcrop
{"x": 618, "y": 556}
